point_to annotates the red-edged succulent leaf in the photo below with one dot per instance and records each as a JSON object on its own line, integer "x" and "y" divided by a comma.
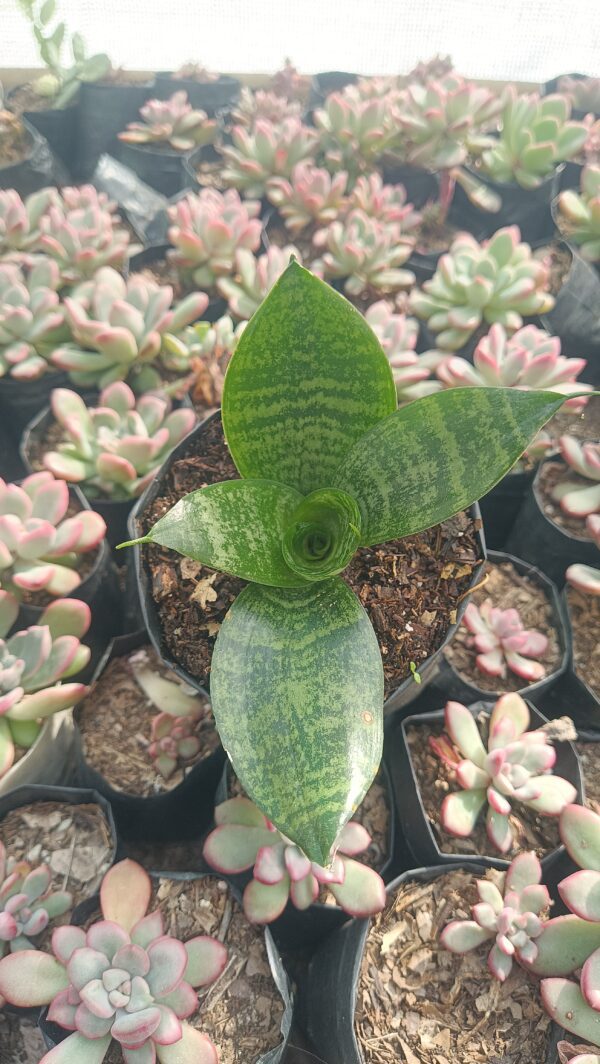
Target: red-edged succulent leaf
{"x": 554, "y": 793}
{"x": 297, "y": 864}
{"x": 524, "y": 871}
{"x": 270, "y": 866}
{"x": 125, "y": 894}
{"x": 303, "y": 892}
{"x": 30, "y": 978}
{"x": 206, "y": 959}
{"x": 499, "y": 963}
{"x": 581, "y": 893}
{"x": 580, "y": 831}
{"x": 168, "y": 960}
{"x": 233, "y": 847}
{"x": 193, "y": 1048}
{"x": 85, "y": 965}
{"x": 499, "y": 831}
{"x": 460, "y": 936}
{"x": 134, "y": 1028}
{"x": 76, "y": 1049}
{"x": 262, "y": 903}
{"x": 353, "y": 839}
{"x": 62, "y": 1011}
{"x": 568, "y": 1008}
{"x": 460, "y": 811}
{"x": 67, "y": 617}
{"x": 590, "y": 980}
{"x": 463, "y": 731}
{"x": 511, "y": 707}
{"x": 106, "y": 937}
{"x": 363, "y": 891}
{"x": 148, "y": 929}
{"x": 565, "y": 944}
{"x": 169, "y": 1028}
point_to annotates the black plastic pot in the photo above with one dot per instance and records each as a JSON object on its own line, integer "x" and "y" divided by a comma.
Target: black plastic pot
{"x": 36, "y": 171}
{"x": 499, "y": 508}
{"x": 184, "y": 812}
{"x": 164, "y": 170}
{"x": 421, "y": 186}
{"x": 575, "y": 317}
{"x": 54, "y": 1034}
{"x": 412, "y": 818}
{"x": 461, "y": 690}
{"x": 571, "y": 176}
{"x": 407, "y": 691}
{"x": 208, "y": 153}
{"x": 332, "y": 988}
{"x": 21, "y": 401}
{"x": 328, "y": 81}
{"x": 105, "y": 109}
{"x": 210, "y": 96}
{"x": 583, "y": 705}
{"x": 59, "y": 127}
{"x": 529, "y": 209}
{"x": 538, "y": 540}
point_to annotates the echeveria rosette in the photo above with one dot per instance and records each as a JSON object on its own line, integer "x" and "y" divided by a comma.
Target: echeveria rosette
{"x": 27, "y": 904}
{"x": 244, "y": 839}
{"x": 122, "y": 979}
{"x": 327, "y": 464}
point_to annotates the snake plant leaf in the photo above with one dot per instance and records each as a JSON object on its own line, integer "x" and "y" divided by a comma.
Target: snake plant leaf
{"x": 236, "y": 526}
{"x": 433, "y": 457}
{"x": 297, "y": 694}
{"x": 308, "y": 378}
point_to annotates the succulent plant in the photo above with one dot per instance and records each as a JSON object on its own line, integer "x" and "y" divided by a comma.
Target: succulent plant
{"x": 207, "y": 229}
{"x": 510, "y": 912}
{"x": 535, "y": 136}
{"x": 580, "y": 214}
{"x": 584, "y": 93}
{"x": 20, "y": 219}
{"x": 530, "y": 358}
{"x": 516, "y": 766}
{"x": 116, "y": 448}
{"x": 27, "y": 904}
{"x": 590, "y": 153}
{"x": 41, "y": 548}
{"x": 209, "y": 347}
{"x": 310, "y": 197}
{"x": 503, "y": 643}
{"x": 196, "y": 72}
{"x": 61, "y": 82}
{"x": 260, "y": 105}
{"x": 34, "y": 663}
{"x": 366, "y": 253}
{"x": 353, "y": 131}
{"x": 173, "y": 741}
{"x": 289, "y": 83}
{"x": 433, "y": 69}
{"x": 122, "y": 979}
{"x": 83, "y": 240}
{"x": 496, "y": 281}
{"x": 244, "y": 838}
{"x": 254, "y": 278}
{"x": 398, "y": 334}
{"x": 32, "y": 319}
{"x": 171, "y": 122}
{"x": 386, "y": 203}
{"x": 577, "y": 498}
{"x": 268, "y": 150}
{"x": 118, "y": 329}
{"x": 586, "y": 578}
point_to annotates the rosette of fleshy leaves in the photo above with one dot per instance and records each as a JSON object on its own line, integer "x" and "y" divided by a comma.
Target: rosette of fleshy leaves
{"x": 579, "y": 496}
{"x": 118, "y": 329}
{"x": 398, "y": 333}
{"x": 354, "y": 131}
{"x": 172, "y": 123}
{"x": 327, "y": 464}
{"x": 208, "y": 228}
{"x": 385, "y": 203}
{"x": 515, "y": 767}
{"x": 34, "y": 663}
{"x": 20, "y": 219}
{"x": 367, "y": 254}
{"x": 209, "y": 347}
{"x": 116, "y": 448}
{"x": 83, "y": 238}
{"x": 123, "y": 979}
{"x": 311, "y": 196}
{"x": 244, "y": 839}
{"x": 41, "y": 548}
{"x": 253, "y": 106}
{"x": 254, "y": 277}
{"x": 27, "y": 902}
{"x": 503, "y": 643}
{"x": 267, "y": 150}
{"x": 32, "y": 319}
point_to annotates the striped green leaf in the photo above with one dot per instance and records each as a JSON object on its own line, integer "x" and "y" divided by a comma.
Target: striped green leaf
{"x": 307, "y": 380}
{"x": 297, "y": 694}
{"x": 437, "y": 455}
{"x": 236, "y": 526}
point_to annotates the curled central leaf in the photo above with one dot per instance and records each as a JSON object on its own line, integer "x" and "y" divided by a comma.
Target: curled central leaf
{"x": 322, "y": 535}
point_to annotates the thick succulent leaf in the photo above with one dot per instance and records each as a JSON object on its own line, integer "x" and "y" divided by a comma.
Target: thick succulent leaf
{"x": 206, "y": 960}
{"x": 233, "y": 847}
{"x": 564, "y": 944}
{"x": 581, "y": 892}
{"x": 125, "y": 894}
{"x": 193, "y": 1048}
{"x": 460, "y": 811}
{"x": 433, "y": 457}
{"x": 568, "y": 1008}
{"x": 31, "y": 978}
{"x": 307, "y": 380}
{"x": 75, "y": 1049}
{"x": 524, "y": 871}
{"x": 363, "y": 891}
{"x": 264, "y": 902}
{"x": 236, "y": 526}
{"x": 580, "y": 832}
{"x": 297, "y": 693}
{"x": 460, "y": 936}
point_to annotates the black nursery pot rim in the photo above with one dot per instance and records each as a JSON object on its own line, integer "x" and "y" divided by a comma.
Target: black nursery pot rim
{"x": 514, "y": 186}
{"x": 578, "y": 684}
{"x": 554, "y": 459}
{"x": 429, "y": 846}
{"x": 150, "y": 613}
{"x": 562, "y": 629}
{"x": 52, "y": 1033}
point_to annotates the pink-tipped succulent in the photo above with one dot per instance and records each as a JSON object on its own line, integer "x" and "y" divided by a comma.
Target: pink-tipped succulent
{"x": 311, "y": 196}
{"x": 83, "y": 239}
{"x": 571, "y": 944}
{"x": 529, "y": 359}
{"x": 267, "y": 151}
{"x": 288, "y": 82}
{"x": 511, "y": 915}
{"x": 34, "y": 663}
{"x": 353, "y": 131}
{"x": 210, "y": 347}
{"x": 32, "y": 320}
{"x": 118, "y": 329}
{"x": 252, "y": 107}
{"x": 580, "y": 497}
{"x": 586, "y": 578}
{"x": 207, "y": 229}
{"x": 20, "y": 219}
{"x": 174, "y": 742}
{"x": 245, "y": 839}
{"x": 122, "y": 979}
{"x": 385, "y": 203}
{"x": 516, "y": 767}
{"x": 171, "y": 122}
{"x": 81, "y": 197}
{"x": 584, "y": 93}
{"x": 580, "y": 214}
{"x": 116, "y": 448}
{"x": 398, "y": 334}
{"x": 502, "y": 643}
{"x": 40, "y": 547}
{"x": 366, "y": 253}
{"x": 27, "y": 904}
{"x": 254, "y": 278}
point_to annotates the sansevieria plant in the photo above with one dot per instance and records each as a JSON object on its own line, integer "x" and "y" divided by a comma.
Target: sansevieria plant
{"x": 327, "y": 463}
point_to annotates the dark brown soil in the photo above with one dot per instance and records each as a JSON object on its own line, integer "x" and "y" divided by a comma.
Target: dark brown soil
{"x": 420, "y": 1004}
{"x": 241, "y": 1012}
{"x": 115, "y": 724}
{"x": 15, "y": 141}
{"x": 559, "y": 260}
{"x": 433, "y": 235}
{"x": 163, "y": 271}
{"x": 208, "y": 174}
{"x": 410, "y": 588}
{"x": 435, "y": 780}
{"x": 280, "y": 237}
{"x": 551, "y": 474}
{"x": 507, "y": 589}
{"x": 585, "y": 621}
{"x": 584, "y": 426}
{"x": 21, "y": 1040}
{"x": 24, "y": 98}
{"x": 589, "y": 754}
{"x": 73, "y": 840}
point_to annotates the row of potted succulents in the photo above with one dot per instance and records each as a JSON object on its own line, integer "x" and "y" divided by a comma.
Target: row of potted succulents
{"x": 240, "y": 591}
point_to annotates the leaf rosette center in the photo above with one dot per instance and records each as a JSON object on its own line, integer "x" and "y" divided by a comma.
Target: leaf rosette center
{"x": 322, "y": 535}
